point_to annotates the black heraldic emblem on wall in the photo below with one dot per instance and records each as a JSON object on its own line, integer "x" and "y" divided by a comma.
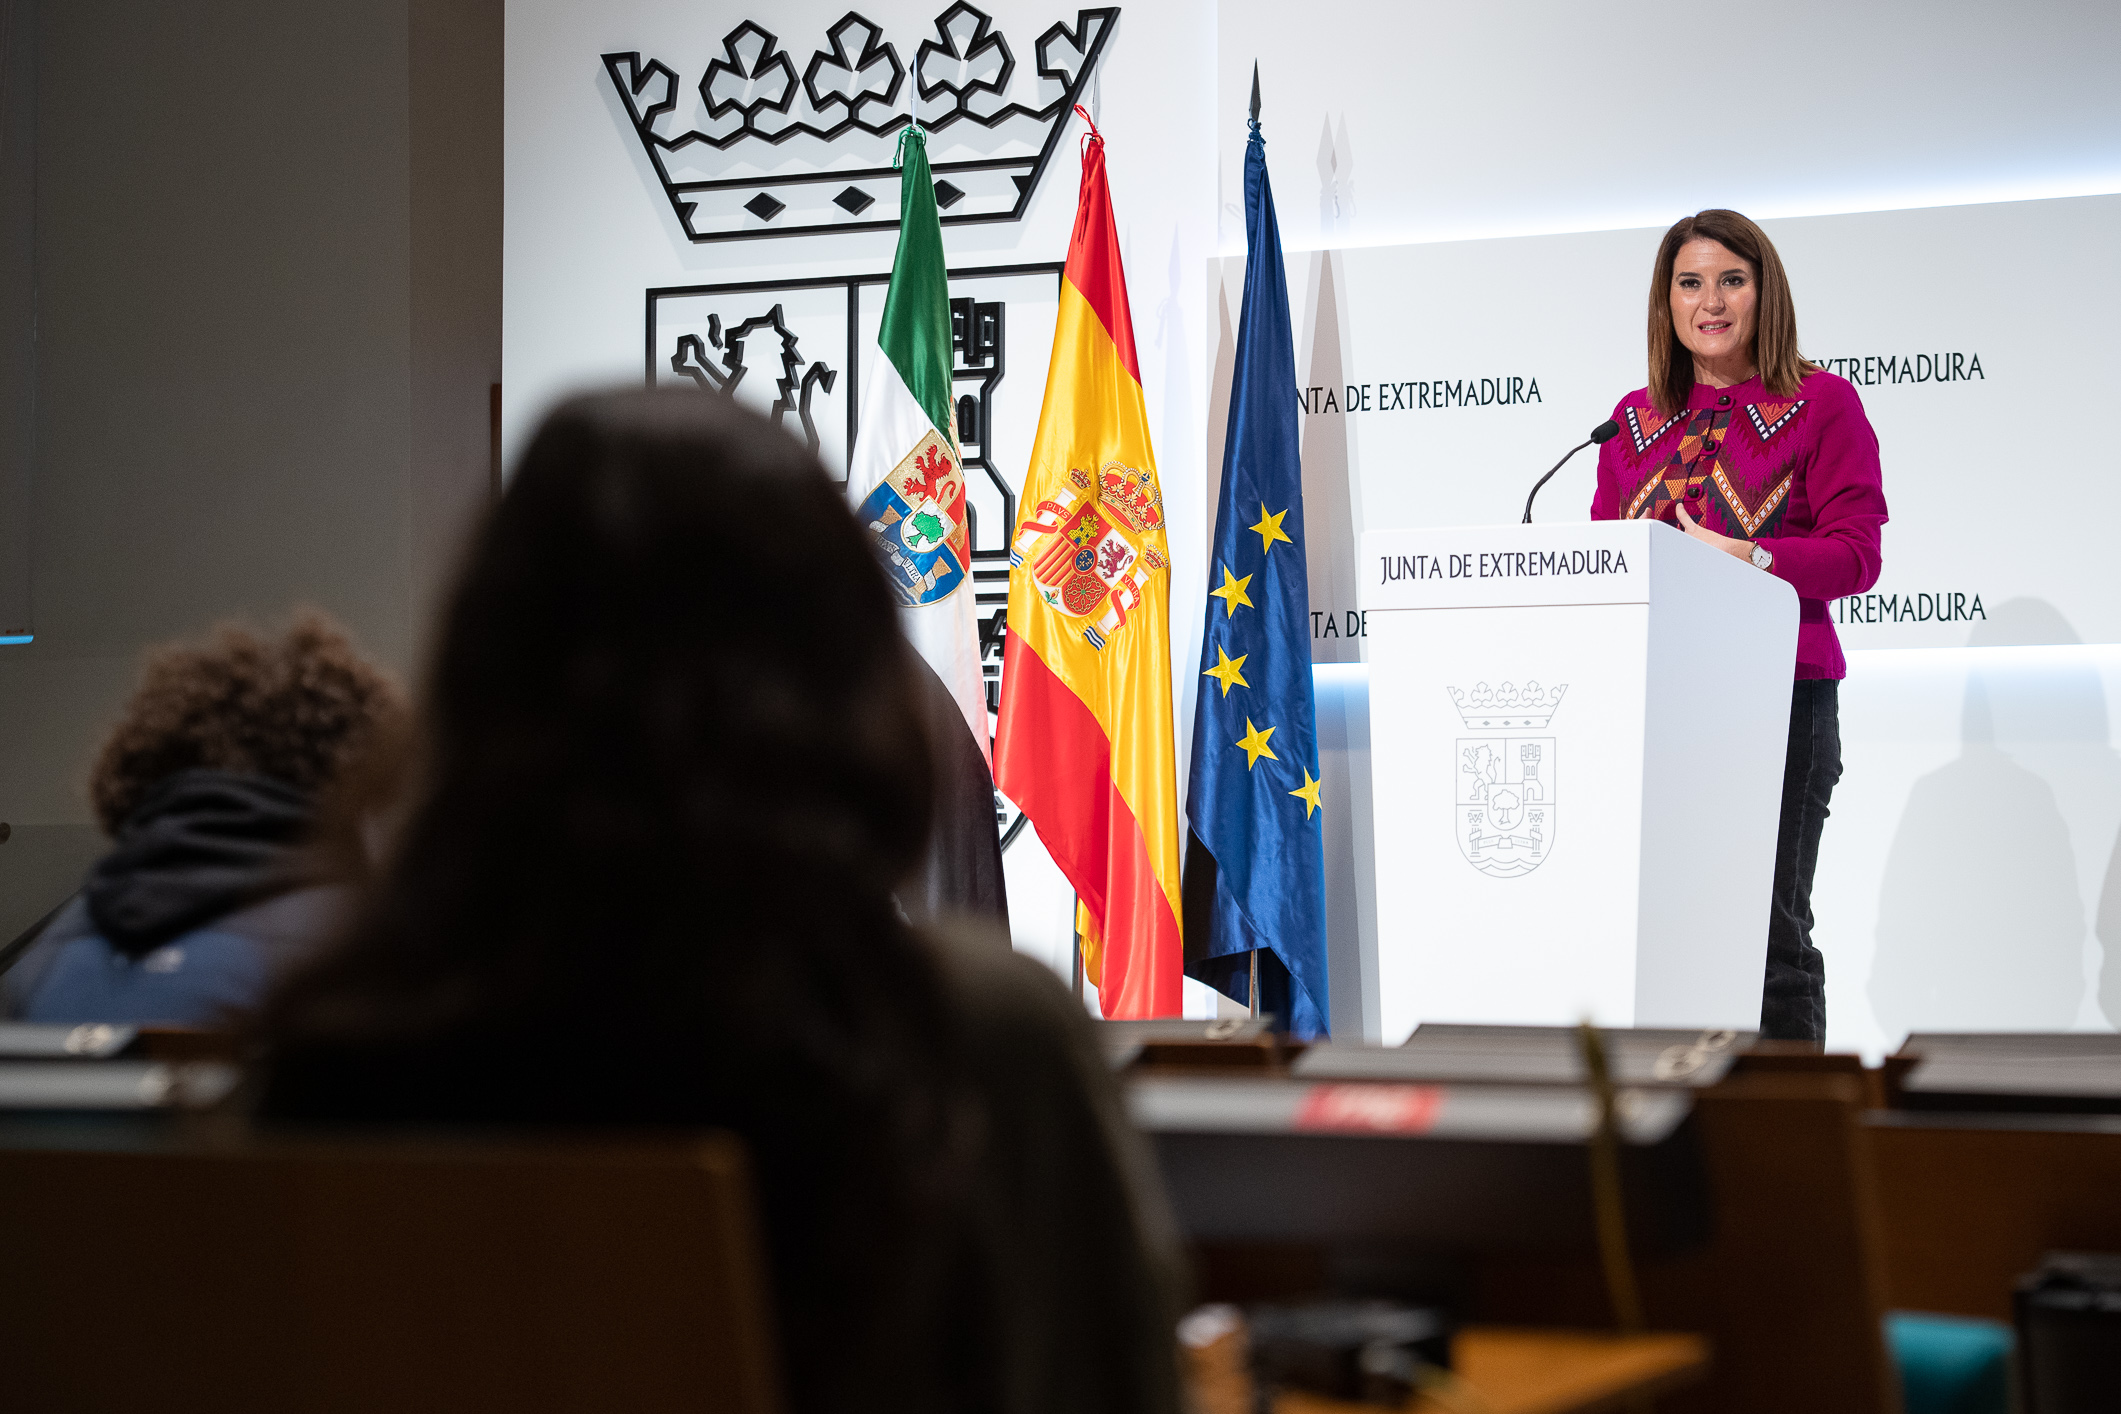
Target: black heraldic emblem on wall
{"x": 793, "y": 348}
{"x": 776, "y": 153}
{"x": 798, "y": 381}
{"x": 1504, "y": 810}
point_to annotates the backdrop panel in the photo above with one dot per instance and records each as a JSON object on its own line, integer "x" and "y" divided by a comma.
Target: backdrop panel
{"x": 1441, "y": 380}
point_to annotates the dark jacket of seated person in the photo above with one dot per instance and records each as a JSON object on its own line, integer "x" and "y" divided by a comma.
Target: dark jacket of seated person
{"x": 671, "y": 768}
{"x": 208, "y": 787}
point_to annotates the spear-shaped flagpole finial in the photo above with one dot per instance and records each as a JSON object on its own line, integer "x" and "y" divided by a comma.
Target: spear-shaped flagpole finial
{"x": 1255, "y": 90}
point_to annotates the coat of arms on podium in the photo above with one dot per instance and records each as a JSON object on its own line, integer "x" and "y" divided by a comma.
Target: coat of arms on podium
{"x": 1503, "y": 811}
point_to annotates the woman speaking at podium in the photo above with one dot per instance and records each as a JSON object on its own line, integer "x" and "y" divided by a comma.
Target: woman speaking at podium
{"x": 1746, "y": 446}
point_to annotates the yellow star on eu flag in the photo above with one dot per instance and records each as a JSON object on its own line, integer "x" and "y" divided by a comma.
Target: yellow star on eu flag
{"x": 1226, "y": 671}
{"x": 1254, "y": 742}
{"x": 1308, "y": 794}
{"x": 1233, "y": 591}
{"x": 1269, "y": 529}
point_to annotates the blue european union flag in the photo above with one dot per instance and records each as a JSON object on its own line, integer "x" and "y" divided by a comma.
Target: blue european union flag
{"x": 1255, "y": 864}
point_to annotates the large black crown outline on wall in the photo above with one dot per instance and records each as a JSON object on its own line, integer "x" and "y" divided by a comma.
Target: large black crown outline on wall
{"x": 757, "y": 167}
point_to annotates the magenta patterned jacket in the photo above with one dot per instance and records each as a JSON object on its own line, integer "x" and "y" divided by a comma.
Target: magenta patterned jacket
{"x": 1798, "y": 475}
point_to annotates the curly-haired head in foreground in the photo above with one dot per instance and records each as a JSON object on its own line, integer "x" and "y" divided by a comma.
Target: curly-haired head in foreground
{"x": 298, "y": 709}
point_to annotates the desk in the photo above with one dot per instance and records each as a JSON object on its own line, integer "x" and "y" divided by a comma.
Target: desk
{"x": 1502, "y": 1371}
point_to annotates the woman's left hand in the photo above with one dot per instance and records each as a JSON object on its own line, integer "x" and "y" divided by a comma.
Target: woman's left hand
{"x": 1737, "y": 549}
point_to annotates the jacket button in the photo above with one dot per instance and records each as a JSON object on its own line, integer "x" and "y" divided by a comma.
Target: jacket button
{"x": 1693, "y": 493}
{"x": 1709, "y": 446}
{"x": 1724, "y": 401}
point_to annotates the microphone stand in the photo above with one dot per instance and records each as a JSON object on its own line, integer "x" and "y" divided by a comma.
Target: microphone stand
{"x": 1550, "y": 476}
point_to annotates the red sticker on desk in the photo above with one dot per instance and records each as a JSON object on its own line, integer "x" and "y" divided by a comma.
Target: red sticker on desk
{"x": 1370, "y": 1109}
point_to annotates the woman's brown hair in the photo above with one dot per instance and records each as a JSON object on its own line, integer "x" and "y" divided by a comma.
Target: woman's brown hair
{"x": 1775, "y": 354}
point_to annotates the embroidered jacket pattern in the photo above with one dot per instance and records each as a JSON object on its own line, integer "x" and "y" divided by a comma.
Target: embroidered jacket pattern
{"x": 1798, "y": 475}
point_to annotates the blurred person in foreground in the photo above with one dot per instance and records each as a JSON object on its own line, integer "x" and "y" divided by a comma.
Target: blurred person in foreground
{"x": 672, "y": 769}
{"x": 209, "y": 788}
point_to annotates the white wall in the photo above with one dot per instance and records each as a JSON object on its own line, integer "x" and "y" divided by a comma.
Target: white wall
{"x": 1393, "y": 122}
{"x": 1970, "y": 877}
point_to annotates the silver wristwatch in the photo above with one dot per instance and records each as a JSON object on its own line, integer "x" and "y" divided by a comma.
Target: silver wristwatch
{"x": 1762, "y": 557}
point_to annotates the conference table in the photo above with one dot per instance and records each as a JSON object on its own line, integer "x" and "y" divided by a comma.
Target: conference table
{"x": 1494, "y": 1371}
{"x": 1777, "y": 1199}
{"x": 1781, "y": 1201}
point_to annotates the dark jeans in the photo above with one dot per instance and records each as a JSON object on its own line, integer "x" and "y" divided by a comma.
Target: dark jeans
{"x": 1793, "y": 1002}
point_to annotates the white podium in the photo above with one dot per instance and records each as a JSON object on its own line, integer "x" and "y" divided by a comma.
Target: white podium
{"x": 1576, "y": 741}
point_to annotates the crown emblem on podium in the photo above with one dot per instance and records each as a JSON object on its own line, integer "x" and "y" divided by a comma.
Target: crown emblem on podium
{"x": 1507, "y": 707}
{"x": 771, "y": 153}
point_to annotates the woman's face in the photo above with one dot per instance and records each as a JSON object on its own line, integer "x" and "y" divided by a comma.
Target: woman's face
{"x": 1713, "y": 298}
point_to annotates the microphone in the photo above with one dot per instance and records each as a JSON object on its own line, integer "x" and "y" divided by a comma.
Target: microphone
{"x": 1604, "y": 432}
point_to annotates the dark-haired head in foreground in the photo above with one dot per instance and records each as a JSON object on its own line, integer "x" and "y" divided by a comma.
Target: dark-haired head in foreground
{"x": 673, "y": 766}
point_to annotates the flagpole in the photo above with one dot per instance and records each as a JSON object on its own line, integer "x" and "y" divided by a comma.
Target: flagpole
{"x": 1252, "y": 988}
{"x": 1075, "y": 932}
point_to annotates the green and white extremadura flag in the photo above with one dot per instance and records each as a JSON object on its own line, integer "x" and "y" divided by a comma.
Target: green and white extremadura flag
{"x": 905, "y": 474}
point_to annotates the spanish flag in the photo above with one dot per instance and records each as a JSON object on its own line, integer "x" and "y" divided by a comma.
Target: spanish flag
{"x": 1084, "y": 745}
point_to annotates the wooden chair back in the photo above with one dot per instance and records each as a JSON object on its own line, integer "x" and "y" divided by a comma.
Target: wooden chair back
{"x": 370, "y": 1275}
